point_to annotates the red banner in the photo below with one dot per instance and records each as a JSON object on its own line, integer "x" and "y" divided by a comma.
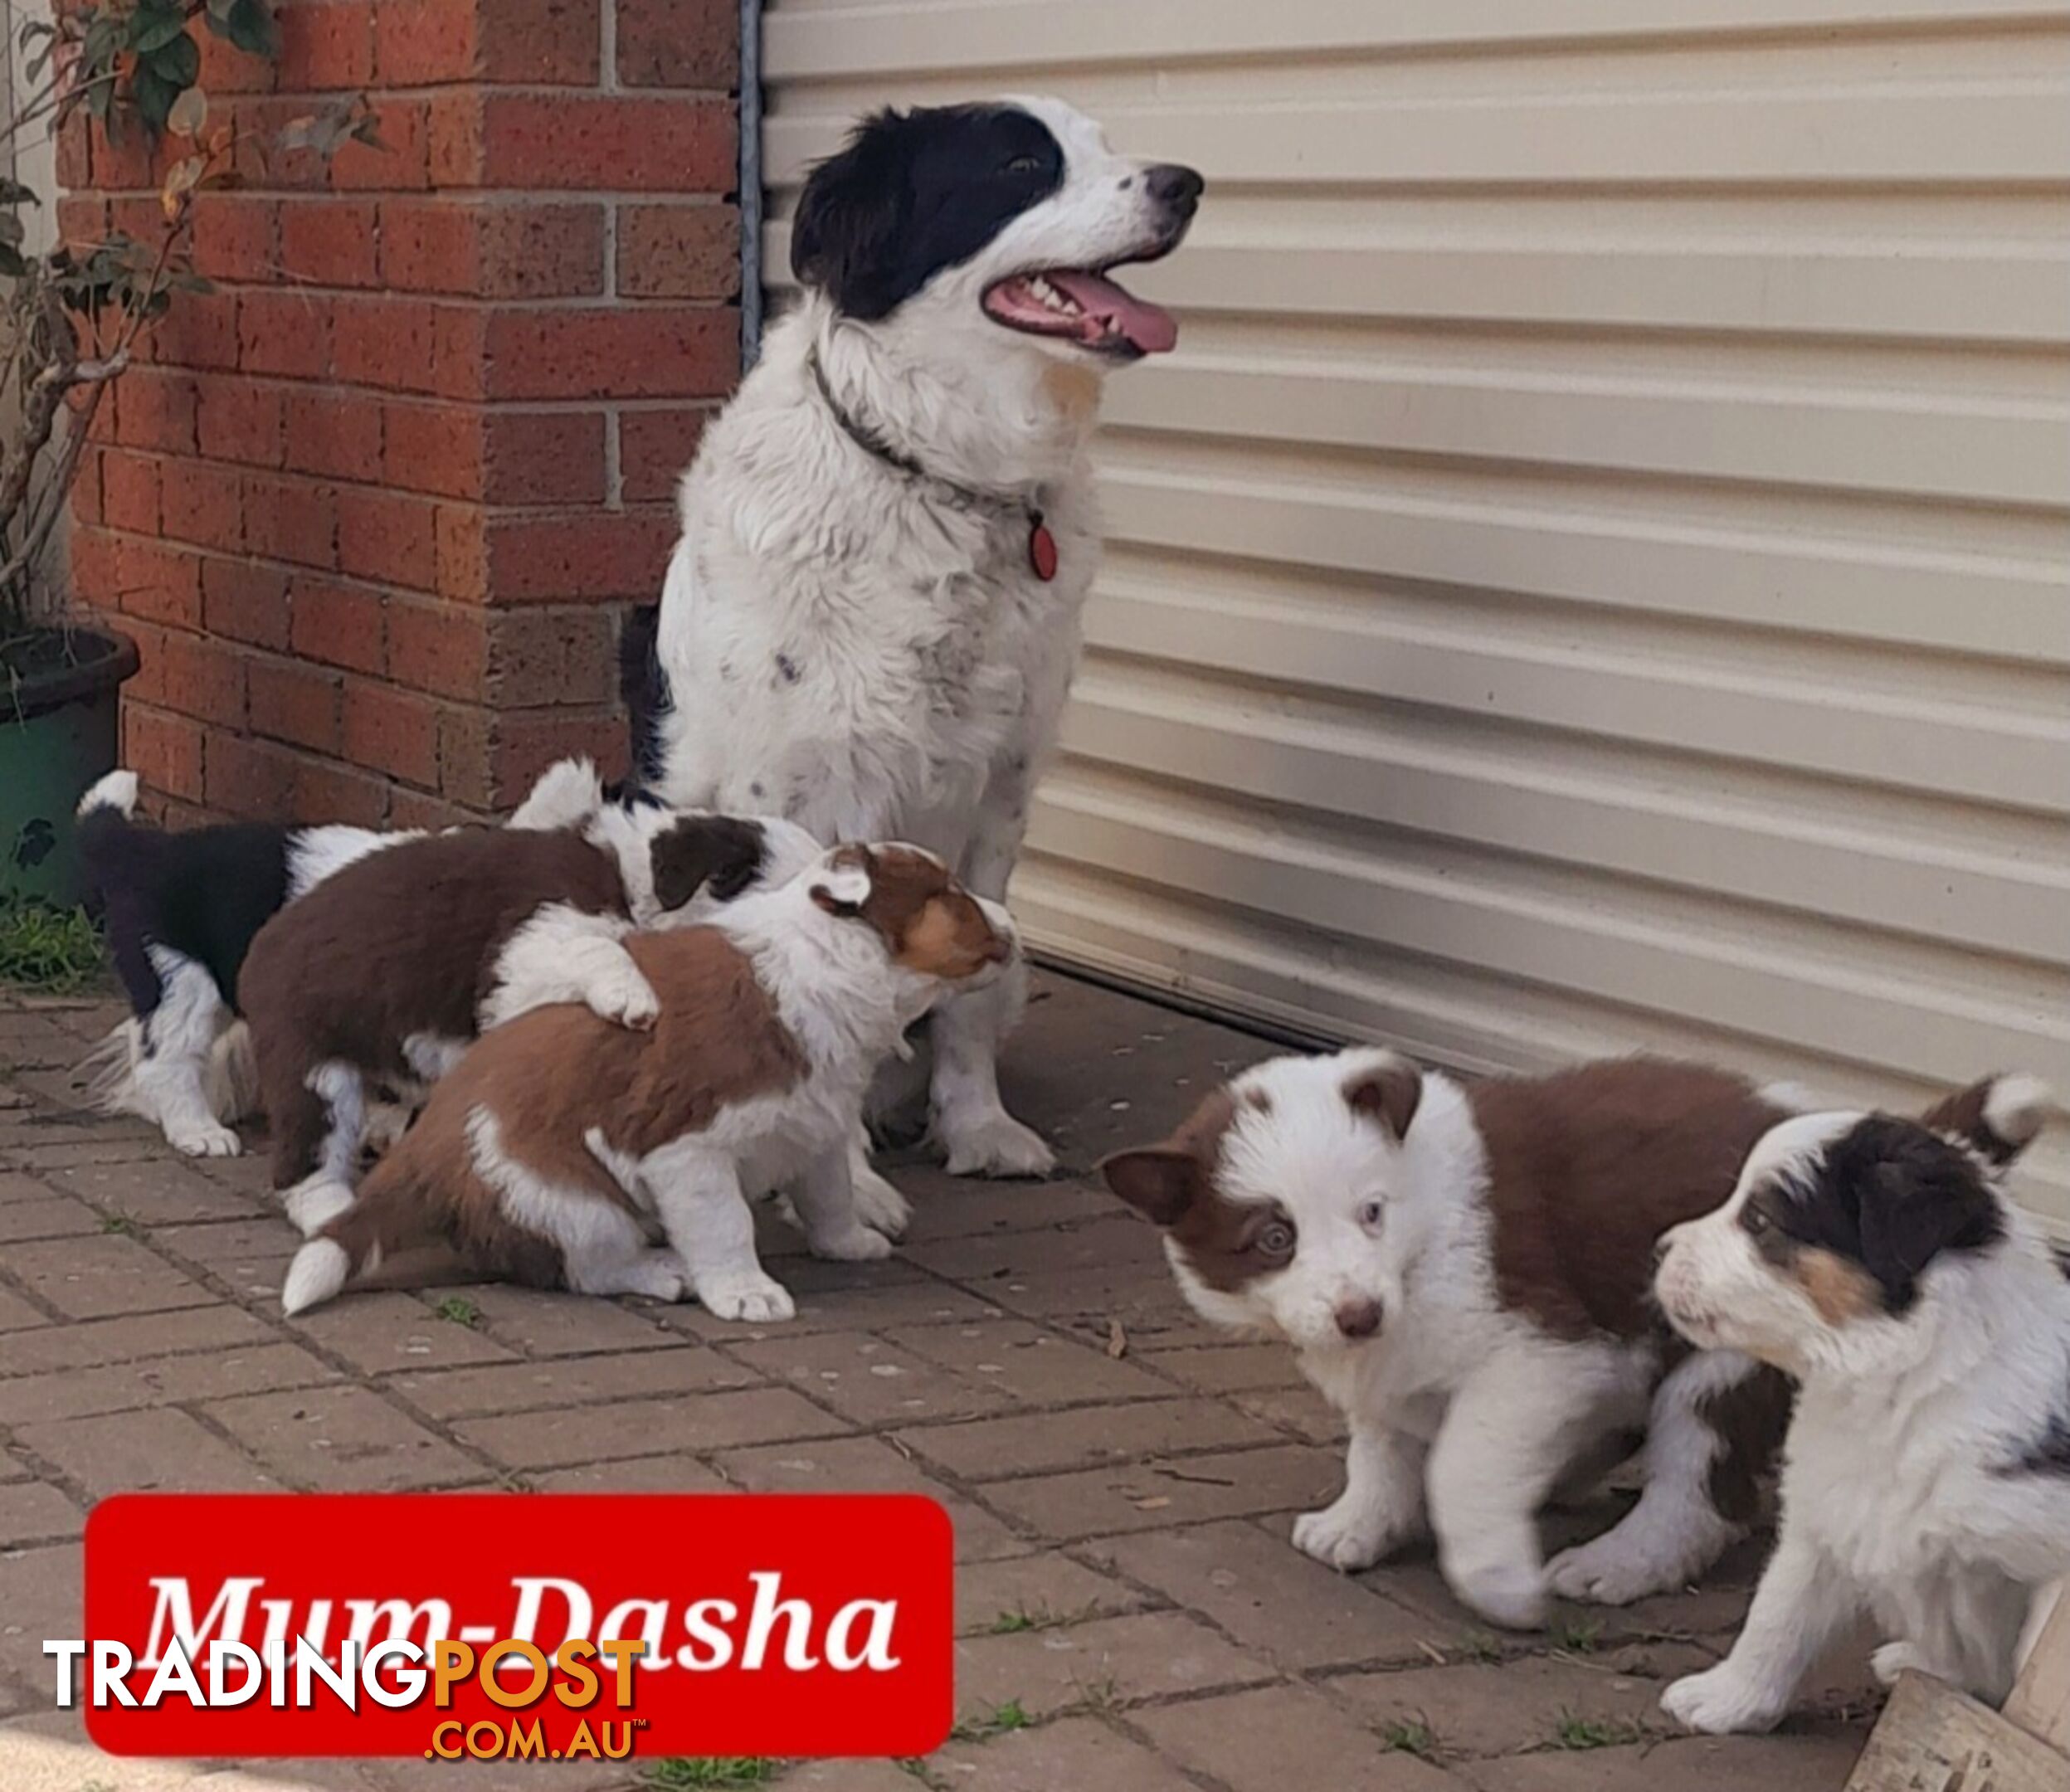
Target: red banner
{"x": 514, "y": 1626}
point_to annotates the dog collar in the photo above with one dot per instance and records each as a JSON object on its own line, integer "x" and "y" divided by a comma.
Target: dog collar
{"x": 1042, "y": 549}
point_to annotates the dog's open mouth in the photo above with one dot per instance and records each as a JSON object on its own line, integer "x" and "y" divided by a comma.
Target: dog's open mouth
{"x": 1085, "y": 307}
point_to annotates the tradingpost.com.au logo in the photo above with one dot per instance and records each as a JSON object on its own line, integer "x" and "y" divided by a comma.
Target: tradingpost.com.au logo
{"x": 549, "y": 1627}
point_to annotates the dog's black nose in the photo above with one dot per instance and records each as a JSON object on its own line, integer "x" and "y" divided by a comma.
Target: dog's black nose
{"x": 1358, "y": 1318}
{"x": 1176, "y": 186}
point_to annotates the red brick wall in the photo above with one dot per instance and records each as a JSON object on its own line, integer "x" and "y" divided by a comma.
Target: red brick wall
{"x": 374, "y": 508}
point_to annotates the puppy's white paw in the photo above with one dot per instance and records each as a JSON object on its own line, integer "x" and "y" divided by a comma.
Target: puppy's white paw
{"x": 755, "y": 1300}
{"x": 628, "y": 1000}
{"x": 1510, "y": 1596}
{"x": 879, "y": 1205}
{"x": 857, "y": 1243}
{"x": 1720, "y": 1701}
{"x": 1344, "y": 1536}
{"x": 203, "y": 1138}
{"x": 1893, "y": 1659}
{"x": 657, "y": 1275}
{"x": 1611, "y": 1571}
{"x": 993, "y": 1144}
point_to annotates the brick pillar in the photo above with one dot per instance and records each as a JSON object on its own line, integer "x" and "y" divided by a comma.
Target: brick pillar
{"x": 375, "y": 507}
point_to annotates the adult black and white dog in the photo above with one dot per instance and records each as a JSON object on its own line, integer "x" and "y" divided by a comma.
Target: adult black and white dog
{"x": 1926, "y": 1477}
{"x": 871, "y": 620}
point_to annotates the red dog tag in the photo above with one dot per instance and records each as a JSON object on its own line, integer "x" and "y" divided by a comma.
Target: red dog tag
{"x": 1041, "y": 549}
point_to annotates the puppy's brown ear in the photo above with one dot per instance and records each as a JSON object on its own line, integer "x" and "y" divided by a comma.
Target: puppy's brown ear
{"x": 1388, "y": 1093}
{"x": 2000, "y": 1117}
{"x": 718, "y": 853}
{"x": 1159, "y": 1181}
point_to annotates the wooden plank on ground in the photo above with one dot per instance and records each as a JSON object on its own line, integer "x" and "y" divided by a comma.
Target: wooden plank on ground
{"x": 1932, "y": 1739}
{"x": 2040, "y": 1703}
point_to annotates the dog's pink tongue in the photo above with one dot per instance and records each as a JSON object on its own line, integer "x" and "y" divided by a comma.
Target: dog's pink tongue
{"x": 1151, "y": 328}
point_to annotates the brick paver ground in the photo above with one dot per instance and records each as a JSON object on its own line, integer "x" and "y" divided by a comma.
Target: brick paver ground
{"x": 1122, "y": 1479}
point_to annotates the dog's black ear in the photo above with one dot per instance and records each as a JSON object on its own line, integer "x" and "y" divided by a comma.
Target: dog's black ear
{"x": 718, "y": 853}
{"x": 845, "y": 239}
{"x": 1918, "y": 1196}
{"x": 1159, "y": 1181}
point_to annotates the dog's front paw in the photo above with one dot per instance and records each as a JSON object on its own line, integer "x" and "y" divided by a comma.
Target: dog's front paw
{"x": 628, "y": 1000}
{"x": 1720, "y": 1702}
{"x": 1893, "y": 1659}
{"x": 1344, "y": 1536}
{"x": 1510, "y": 1596}
{"x": 203, "y": 1138}
{"x": 879, "y": 1205}
{"x": 856, "y": 1243}
{"x": 993, "y": 1144}
{"x": 755, "y": 1300}
{"x": 1611, "y": 1571}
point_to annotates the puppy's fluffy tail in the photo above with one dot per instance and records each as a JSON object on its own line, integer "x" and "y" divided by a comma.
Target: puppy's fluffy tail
{"x": 566, "y": 795}
{"x": 118, "y": 791}
{"x": 392, "y": 1211}
{"x": 2000, "y": 1116}
{"x": 644, "y": 688}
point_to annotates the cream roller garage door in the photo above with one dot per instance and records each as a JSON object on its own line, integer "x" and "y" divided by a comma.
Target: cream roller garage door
{"x": 1596, "y": 572}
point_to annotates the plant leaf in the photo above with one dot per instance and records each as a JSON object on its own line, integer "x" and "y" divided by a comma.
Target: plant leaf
{"x": 189, "y": 113}
{"x": 152, "y": 25}
{"x": 181, "y": 179}
{"x": 11, "y": 262}
{"x": 250, "y": 25}
{"x": 13, "y": 193}
{"x": 153, "y": 94}
{"x": 179, "y": 61}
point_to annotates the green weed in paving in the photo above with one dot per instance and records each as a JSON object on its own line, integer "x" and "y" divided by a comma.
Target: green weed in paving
{"x": 713, "y": 1771}
{"x": 54, "y": 950}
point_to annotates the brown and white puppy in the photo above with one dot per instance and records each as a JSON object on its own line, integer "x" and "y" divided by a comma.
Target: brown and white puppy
{"x": 376, "y": 976}
{"x": 1465, "y": 1270}
{"x": 1926, "y": 1477}
{"x": 561, "y": 1143}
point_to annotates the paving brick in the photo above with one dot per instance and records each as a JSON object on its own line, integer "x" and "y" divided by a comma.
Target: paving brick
{"x": 1041, "y": 1444}
{"x": 1300, "y": 1410}
{"x": 1029, "y": 1364}
{"x": 959, "y": 1207}
{"x": 1230, "y": 1368}
{"x": 165, "y": 1449}
{"x": 563, "y": 1325}
{"x": 1104, "y": 1661}
{"x": 569, "y": 1381}
{"x": 1269, "y": 1597}
{"x": 94, "y": 1278}
{"x": 41, "y": 1595}
{"x": 156, "y": 1381}
{"x": 1816, "y": 1759}
{"x": 861, "y": 1307}
{"x": 343, "y": 1438}
{"x": 847, "y": 1776}
{"x": 1280, "y": 1736}
{"x": 151, "y": 1192}
{"x": 1047, "y": 1589}
{"x": 54, "y": 1216}
{"x": 74, "y": 1347}
{"x": 1104, "y": 1501}
{"x": 1105, "y": 1243}
{"x": 1479, "y": 1709}
{"x": 868, "y": 1380}
{"x": 33, "y": 1511}
{"x": 867, "y": 1465}
{"x": 648, "y": 1427}
{"x": 643, "y": 1474}
{"x": 376, "y": 1333}
{"x": 1078, "y": 1753}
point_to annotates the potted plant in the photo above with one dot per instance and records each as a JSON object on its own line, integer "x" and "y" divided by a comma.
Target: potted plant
{"x": 73, "y": 319}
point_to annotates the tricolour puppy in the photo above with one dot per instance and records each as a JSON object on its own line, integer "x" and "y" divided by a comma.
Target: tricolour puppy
{"x": 560, "y": 1141}
{"x": 181, "y": 910}
{"x": 379, "y": 974}
{"x": 1465, "y": 1272}
{"x": 1926, "y": 1476}
{"x": 871, "y": 620}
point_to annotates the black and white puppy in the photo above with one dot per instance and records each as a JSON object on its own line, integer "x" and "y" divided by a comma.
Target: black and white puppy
{"x": 871, "y": 620}
{"x": 1927, "y": 1476}
{"x": 181, "y": 910}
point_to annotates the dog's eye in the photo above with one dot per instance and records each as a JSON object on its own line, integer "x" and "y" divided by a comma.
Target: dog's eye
{"x": 1370, "y": 1214}
{"x": 1025, "y": 164}
{"x": 1753, "y": 1222}
{"x": 1275, "y": 1240}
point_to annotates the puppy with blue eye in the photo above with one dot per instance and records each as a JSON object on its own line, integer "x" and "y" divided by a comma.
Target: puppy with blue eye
{"x": 1464, "y": 1270}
